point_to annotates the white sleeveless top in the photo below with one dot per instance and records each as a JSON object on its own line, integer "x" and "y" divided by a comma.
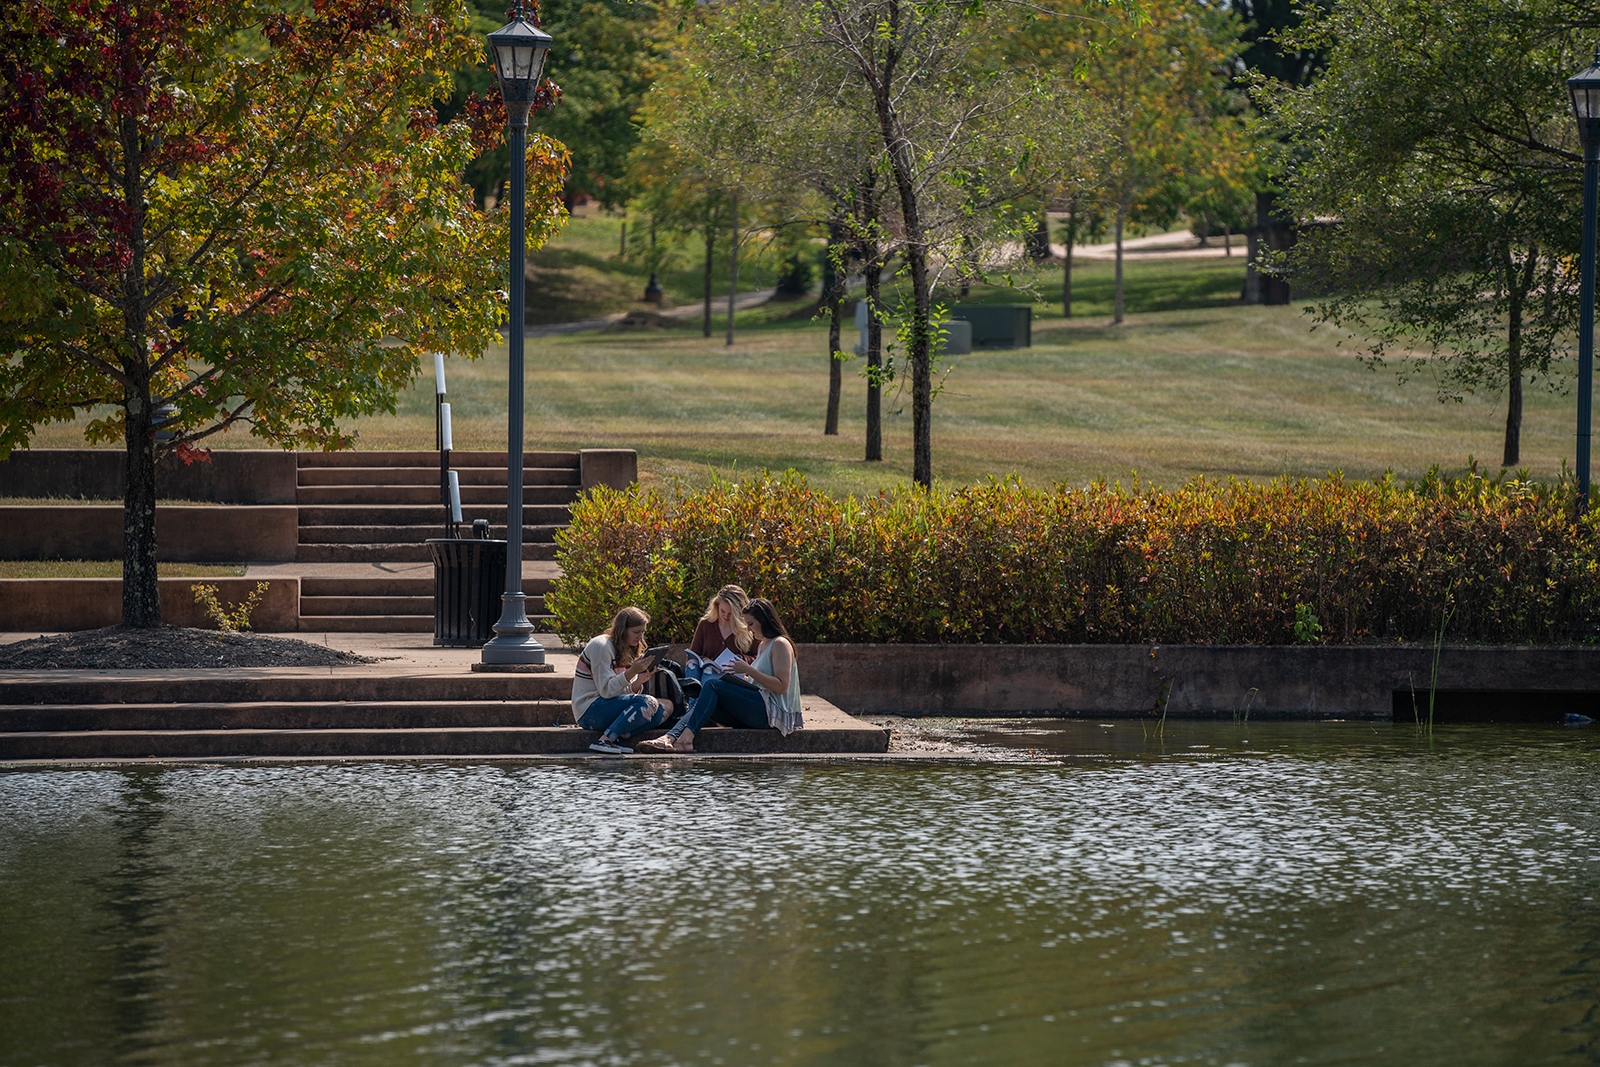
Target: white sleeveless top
{"x": 783, "y": 709}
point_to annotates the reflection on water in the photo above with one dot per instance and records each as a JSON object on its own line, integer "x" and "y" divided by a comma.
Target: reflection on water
{"x": 1261, "y": 894}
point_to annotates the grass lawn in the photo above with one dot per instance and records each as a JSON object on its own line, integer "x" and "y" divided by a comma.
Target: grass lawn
{"x": 1193, "y": 384}
{"x": 79, "y": 568}
{"x": 582, "y": 275}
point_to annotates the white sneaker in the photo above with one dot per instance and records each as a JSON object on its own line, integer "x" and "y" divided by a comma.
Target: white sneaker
{"x": 610, "y": 747}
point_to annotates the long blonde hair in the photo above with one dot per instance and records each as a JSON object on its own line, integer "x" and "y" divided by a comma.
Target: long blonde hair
{"x": 626, "y": 620}
{"x": 736, "y": 598}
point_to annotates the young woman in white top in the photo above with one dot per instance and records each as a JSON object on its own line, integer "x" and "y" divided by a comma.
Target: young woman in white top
{"x": 607, "y": 684}
{"x": 774, "y": 702}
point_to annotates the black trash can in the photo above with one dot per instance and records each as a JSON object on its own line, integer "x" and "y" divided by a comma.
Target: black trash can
{"x": 468, "y": 577}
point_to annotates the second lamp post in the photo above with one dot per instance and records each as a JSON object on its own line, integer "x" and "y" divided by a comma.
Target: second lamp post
{"x": 518, "y": 51}
{"x": 1585, "y": 89}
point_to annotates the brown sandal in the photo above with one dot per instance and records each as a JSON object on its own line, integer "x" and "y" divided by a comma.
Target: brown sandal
{"x": 656, "y": 744}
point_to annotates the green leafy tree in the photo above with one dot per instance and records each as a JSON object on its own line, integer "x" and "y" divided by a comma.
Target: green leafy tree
{"x": 944, "y": 89}
{"x": 217, "y": 215}
{"x": 742, "y": 110}
{"x": 604, "y": 57}
{"x": 1155, "y": 77}
{"x": 1435, "y": 166}
{"x": 1267, "y": 51}
{"x": 683, "y": 198}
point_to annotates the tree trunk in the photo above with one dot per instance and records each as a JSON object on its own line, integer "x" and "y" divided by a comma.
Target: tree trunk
{"x": 1071, "y": 238}
{"x": 833, "y": 296}
{"x": 874, "y": 270}
{"x": 711, "y": 238}
{"x": 1116, "y": 299}
{"x": 733, "y": 267}
{"x": 1519, "y": 282}
{"x": 141, "y": 593}
{"x": 916, "y": 252}
{"x": 1513, "y": 451}
{"x": 1227, "y": 239}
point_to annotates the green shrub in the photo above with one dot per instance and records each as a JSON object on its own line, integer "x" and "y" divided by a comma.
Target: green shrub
{"x": 1233, "y": 562}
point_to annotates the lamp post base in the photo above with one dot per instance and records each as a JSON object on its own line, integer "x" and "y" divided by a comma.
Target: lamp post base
{"x": 513, "y": 641}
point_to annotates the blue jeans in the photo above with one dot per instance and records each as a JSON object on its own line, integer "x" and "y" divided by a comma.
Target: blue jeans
{"x": 728, "y": 703}
{"x": 621, "y": 716}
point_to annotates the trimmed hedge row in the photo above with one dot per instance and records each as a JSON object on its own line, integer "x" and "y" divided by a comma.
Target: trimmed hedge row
{"x": 1211, "y": 563}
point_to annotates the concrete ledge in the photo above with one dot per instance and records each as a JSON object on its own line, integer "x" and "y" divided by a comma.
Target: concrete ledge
{"x": 57, "y": 604}
{"x": 183, "y": 534}
{"x": 614, "y": 467}
{"x": 263, "y": 715}
{"x": 1200, "y": 681}
{"x": 246, "y": 476}
{"x": 277, "y": 685}
{"x": 828, "y": 731}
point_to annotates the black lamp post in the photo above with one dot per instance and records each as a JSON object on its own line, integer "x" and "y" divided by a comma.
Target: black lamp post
{"x": 1585, "y": 89}
{"x": 518, "y": 52}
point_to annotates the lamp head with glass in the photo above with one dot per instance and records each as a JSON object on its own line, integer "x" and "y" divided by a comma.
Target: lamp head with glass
{"x": 517, "y": 51}
{"x": 1585, "y": 89}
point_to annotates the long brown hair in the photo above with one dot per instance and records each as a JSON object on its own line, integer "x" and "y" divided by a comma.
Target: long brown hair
{"x": 627, "y": 619}
{"x": 761, "y": 610}
{"x": 736, "y": 598}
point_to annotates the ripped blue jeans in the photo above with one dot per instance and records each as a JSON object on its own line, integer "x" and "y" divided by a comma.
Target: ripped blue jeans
{"x": 621, "y": 716}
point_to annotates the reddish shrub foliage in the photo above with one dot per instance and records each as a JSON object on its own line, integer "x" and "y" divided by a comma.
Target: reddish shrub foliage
{"x": 1210, "y": 563}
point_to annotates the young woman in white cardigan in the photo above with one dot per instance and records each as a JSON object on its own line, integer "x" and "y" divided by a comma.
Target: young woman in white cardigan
{"x": 607, "y": 684}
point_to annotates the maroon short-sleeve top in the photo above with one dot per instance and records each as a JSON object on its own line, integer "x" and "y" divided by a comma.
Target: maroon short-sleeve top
{"x": 708, "y": 642}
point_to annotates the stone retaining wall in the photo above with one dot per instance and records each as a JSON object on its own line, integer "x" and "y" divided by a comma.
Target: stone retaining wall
{"x": 1199, "y": 681}
{"x": 49, "y": 605}
{"x": 248, "y": 476}
{"x": 614, "y": 467}
{"x": 197, "y": 534}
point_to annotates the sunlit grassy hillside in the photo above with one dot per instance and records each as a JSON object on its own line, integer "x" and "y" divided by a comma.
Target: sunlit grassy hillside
{"x": 1193, "y": 384}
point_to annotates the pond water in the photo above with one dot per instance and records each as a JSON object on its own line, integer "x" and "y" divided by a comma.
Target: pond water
{"x": 1207, "y": 894}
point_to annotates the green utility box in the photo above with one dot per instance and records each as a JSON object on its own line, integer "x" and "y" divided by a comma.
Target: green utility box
{"x": 997, "y": 325}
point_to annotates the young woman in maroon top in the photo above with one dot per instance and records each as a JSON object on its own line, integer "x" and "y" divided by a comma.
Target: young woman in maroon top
{"x": 723, "y": 626}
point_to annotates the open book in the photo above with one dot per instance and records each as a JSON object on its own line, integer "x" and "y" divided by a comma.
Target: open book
{"x": 717, "y": 667}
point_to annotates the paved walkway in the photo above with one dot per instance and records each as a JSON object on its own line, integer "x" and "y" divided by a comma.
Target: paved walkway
{"x": 1182, "y": 245}
{"x": 684, "y": 311}
{"x": 531, "y": 569}
{"x": 399, "y": 653}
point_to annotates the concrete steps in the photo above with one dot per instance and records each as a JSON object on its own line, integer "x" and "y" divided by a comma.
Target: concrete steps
{"x": 399, "y": 535}
{"x": 274, "y": 685}
{"x": 428, "y": 477}
{"x": 430, "y": 459}
{"x": 399, "y": 553}
{"x": 283, "y": 715}
{"x": 382, "y": 507}
{"x": 355, "y": 605}
{"x": 379, "y": 585}
{"x": 427, "y": 495}
{"x": 349, "y": 712}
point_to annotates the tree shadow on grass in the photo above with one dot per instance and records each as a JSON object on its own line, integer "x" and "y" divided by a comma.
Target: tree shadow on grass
{"x": 566, "y": 285}
{"x": 1078, "y": 331}
{"x": 1180, "y": 285}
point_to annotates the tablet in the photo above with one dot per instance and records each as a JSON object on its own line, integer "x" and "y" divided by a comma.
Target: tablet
{"x": 657, "y": 654}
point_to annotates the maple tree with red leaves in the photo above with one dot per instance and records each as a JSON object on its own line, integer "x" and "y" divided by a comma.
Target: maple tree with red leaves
{"x": 220, "y": 214}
